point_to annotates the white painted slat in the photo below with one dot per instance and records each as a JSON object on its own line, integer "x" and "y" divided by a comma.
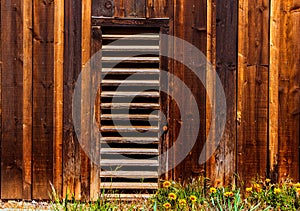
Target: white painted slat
{"x": 130, "y": 106}
{"x": 144, "y": 117}
{"x": 129, "y": 174}
{"x": 129, "y": 151}
{"x": 131, "y": 37}
{"x": 128, "y": 128}
{"x": 133, "y": 140}
{"x": 123, "y": 48}
{"x": 128, "y": 185}
{"x": 129, "y": 94}
{"x": 131, "y": 59}
{"x": 130, "y": 83}
{"x": 129, "y": 162}
{"x": 130, "y": 70}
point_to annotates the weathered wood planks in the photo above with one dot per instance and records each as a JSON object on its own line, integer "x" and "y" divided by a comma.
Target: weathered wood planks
{"x": 12, "y": 99}
{"x": 43, "y": 103}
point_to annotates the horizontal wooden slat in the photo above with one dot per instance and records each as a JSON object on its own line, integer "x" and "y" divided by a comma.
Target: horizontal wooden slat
{"x": 131, "y": 59}
{"x": 129, "y": 174}
{"x": 128, "y": 128}
{"x": 130, "y": 82}
{"x": 124, "y": 48}
{"x": 128, "y": 185}
{"x": 129, "y": 94}
{"x": 130, "y": 37}
{"x": 128, "y": 162}
{"x": 134, "y": 151}
{"x": 125, "y": 196}
{"x": 130, "y": 105}
{"x": 125, "y": 140}
{"x": 129, "y": 117}
{"x": 130, "y": 70}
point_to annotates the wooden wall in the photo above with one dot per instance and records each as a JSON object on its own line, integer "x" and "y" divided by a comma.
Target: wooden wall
{"x": 254, "y": 45}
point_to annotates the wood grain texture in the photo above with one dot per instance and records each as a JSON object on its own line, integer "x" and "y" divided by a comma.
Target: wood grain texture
{"x": 186, "y": 26}
{"x": 12, "y": 94}
{"x": 43, "y": 61}
{"x": 275, "y": 33}
{"x": 58, "y": 94}
{"x": 72, "y": 68}
{"x": 222, "y": 165}
{"x": 253, "y": 85}
{"x": 86, "y": 102}
{"x": 158, "y": 8}
{"x": 103, "y": 8}
{"x": 288, "y": 160}
{"x": 27, "y": 99}
{"x": 96, "y": 44}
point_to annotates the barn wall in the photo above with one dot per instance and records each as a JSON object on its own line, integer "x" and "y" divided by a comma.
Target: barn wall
{"x": 254, "y": 46}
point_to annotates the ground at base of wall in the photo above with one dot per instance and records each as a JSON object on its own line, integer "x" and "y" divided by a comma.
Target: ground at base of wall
{"x": 21, "y": 205}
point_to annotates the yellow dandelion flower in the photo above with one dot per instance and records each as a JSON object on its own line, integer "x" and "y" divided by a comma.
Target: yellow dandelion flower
{"x": 268, "y": 180}
{"x": 193, "y": 198}
{"x": 167, "y": 205}
{"x": 277, "y": 190}
{"x": 182, "y": 202}
{"x": 172, "y": 196}
{"x": 228, "y": 194}
{"x": 213, "y": 190}
{"x": 166, "y": 184}
{"x": 249, "y": 189}
{"x": 255, "y": 185}
{"x": 298, "y": 190}
{"x": 297, "y": 185}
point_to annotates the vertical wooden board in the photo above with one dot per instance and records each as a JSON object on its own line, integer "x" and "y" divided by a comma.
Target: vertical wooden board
{"x": 288, "y": 92}
{"x": 119, "y": 10}
{"x": 85, "y": 100}
{"x": 178, "y": 70}
{"x": 96, "y": 45}
{"x": 43, "y": 13}
{"x": 242, "y": 81}
{"x": 198, "y": 37}
{"x": 140, "y": 8}
{"x": 275, "y": 35}
{"x": 158, "y": 8}
{"x": 253, "y": 90}
{"x": 27, "y": 99}
{"x": 58, "y": 94}
{"x": 259, "y": 38}
{"x": 72, "y": 68}
{"x": 183, "y": 28}
{"x": 294, "y": 90}
{"x": 222, "y": 165}
{"x": 103, "y": 8}
{"x": 130, "y": 8}
{"x": 12, "y": 93}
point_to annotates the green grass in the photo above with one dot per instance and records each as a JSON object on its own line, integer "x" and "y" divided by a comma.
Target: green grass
{"x": 198, "y": 194}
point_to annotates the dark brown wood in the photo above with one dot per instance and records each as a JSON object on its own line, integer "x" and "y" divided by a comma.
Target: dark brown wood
{"x": 134, "y": 22}
{"x": 43, "y": 61}
{"x": 184, "y": 20}
{"x": 12, "y": 93}
{"x": 289, "y": 80}
{"x": 72, "y": 68}
{"x": 96, "y": 44}
{"x": 103, "y": 8}
{"x": 222, "y": 165}
{"x": 253, "y": 90}
{"x": 158, "y": 8}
